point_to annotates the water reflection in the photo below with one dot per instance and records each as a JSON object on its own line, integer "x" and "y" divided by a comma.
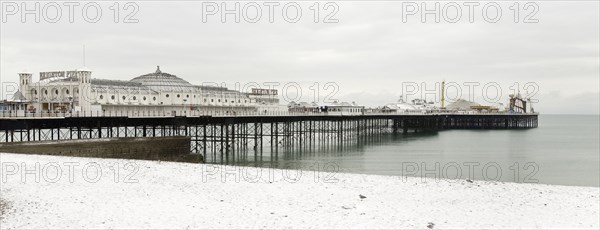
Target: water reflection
{"x": 298, "y": 157}
{"x": 562, "y": 150}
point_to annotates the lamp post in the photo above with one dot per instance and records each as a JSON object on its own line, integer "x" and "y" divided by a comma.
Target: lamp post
{"x": 184, "y": 110}
{"x": 71, "y": 104}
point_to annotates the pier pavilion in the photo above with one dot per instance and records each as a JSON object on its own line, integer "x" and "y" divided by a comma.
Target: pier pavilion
{"x": 157, "y": 92}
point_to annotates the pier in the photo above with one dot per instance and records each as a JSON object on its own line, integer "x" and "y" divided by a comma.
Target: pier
{"x": 225, "y": 134}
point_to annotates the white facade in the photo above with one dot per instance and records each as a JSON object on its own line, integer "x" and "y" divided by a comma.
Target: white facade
{"x": 335, "y": 108}
{"x": 154, "y": 93}
{"x": 267, "y": 100}
{"x": 415, "y": 105}
{"x": 63, "y": 90}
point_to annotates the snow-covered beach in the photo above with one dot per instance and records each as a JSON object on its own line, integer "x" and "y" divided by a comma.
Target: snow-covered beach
{"x": 114, "y": 193}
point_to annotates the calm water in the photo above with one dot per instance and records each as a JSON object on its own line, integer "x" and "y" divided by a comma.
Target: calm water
{"x": 563, "y": 150}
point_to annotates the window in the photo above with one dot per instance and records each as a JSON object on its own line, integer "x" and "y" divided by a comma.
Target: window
{"x": 101, "y": 97}
{"x": 144, "y": 98}
{"x": 35, "y": 92}
{"x": 187, "y": 96}
{"x": 167, "y": 95}
{"x": 154, "y": 98}
{"x": 123, "y": 97}
{"x": 212, "y": 100}
{"x": 134, "y": 98}
{"x": 219, "y": 100}
{"x": 112, "y": 97}
{"x": 46, "y": 91}
{"x": 56, "y": 91}
{"x": 67, "y": 91}
{"x": 225, "y": 100}
{"x": 178, "y": 96}
{"x": 204, "y": 99}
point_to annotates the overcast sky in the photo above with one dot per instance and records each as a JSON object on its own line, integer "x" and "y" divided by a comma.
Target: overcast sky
{"x": 370, "y": 53}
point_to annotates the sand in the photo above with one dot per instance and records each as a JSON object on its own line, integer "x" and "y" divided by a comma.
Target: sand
{"x": 146, "y": 194}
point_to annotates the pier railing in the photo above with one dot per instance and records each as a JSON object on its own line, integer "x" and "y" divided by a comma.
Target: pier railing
{"x": 194, "y": 113}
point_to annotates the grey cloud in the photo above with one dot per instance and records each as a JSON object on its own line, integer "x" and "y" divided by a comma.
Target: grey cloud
{"x": 369, "y": 53}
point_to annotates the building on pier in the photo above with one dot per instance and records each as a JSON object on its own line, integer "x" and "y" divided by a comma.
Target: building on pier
{"x": 462, "y": 105}
{"x": 153, "y": 93}
{"x": 335, "y": 108}
{"x": 266, "y": 100}
{"x": 415, "y": 105}
{"x": 17, "y": 103}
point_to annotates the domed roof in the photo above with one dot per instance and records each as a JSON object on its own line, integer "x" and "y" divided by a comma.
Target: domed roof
{"x": 161, "y": 81}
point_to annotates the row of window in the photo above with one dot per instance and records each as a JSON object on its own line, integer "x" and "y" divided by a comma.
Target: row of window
{"x": 219, "y": 100}
{"x": 112, "y": 97}
{"x": 144, "y": 98}
{"x": 179, "y": 95}
{"x": 35, "y": 92}
{"x": 345, "y": 110}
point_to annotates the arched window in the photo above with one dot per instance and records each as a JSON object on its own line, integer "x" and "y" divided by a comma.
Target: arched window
{"x": 187, "y": 96}
{"x": 56, "y": 91}
{"x": 124, "y": 97}
{"x": 144, "y": 98}
{"x": 112, "y": 97}
{"x": 67, "y": 91}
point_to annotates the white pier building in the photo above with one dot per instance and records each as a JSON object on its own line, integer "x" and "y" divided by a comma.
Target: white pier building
{"x": 153, "y": 93}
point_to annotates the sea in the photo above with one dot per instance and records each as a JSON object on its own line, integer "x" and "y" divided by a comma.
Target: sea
{"x": 563, "y": 150}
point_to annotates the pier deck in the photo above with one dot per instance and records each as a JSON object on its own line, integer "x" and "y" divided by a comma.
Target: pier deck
{"x": 228, "y": 133}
